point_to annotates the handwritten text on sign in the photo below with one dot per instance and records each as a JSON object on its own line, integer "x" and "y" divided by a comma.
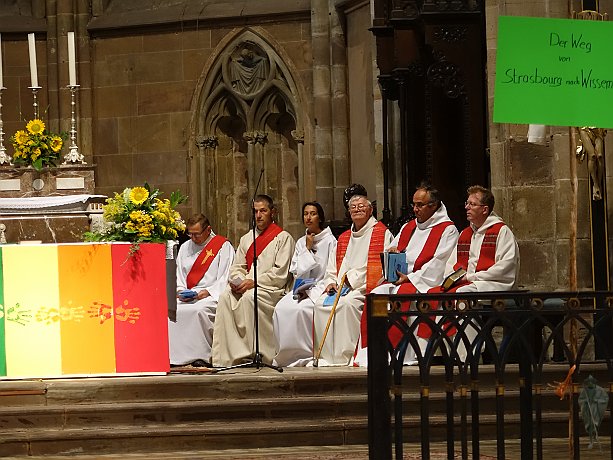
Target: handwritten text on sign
{"x": 554, "y": 72}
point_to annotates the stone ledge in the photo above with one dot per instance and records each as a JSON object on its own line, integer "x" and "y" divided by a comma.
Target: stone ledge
{"x": 119, "y": 16}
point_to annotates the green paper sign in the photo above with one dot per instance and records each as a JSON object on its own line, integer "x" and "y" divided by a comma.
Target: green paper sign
{"x": 555, "y": 72}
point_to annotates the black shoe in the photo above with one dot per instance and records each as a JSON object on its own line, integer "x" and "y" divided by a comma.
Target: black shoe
{"x": 200, "y": 363}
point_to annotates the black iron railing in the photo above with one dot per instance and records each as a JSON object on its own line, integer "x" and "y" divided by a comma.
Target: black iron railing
{"x": 501, "y": 329}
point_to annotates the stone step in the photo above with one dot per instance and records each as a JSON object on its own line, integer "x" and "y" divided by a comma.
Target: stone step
{"x": 553, "y": 448}
{"x": 263, "y": 383}
{"x": 245, "y": 435}
{"x": 255, "y": 409}
{"x": 167, "y": 412}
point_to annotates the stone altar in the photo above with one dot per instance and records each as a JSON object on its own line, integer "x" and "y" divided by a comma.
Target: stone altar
{"x": 55, "y": 205}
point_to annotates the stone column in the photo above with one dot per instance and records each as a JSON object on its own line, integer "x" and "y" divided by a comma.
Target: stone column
{"x": 298, "y": 136}
{"x": 339, "y": 103}
{"x": 207, "y": 146}
{"x": 322, "y": 111}
{"x": 255, "y": 139}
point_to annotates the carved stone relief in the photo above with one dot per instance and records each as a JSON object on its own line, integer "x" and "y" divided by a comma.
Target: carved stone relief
{"x": 247, "y": 114}
{"x": 249, "y": 69}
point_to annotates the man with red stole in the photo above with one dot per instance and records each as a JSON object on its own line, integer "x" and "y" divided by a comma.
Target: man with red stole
{"x": 203, "y": 266}
{"x": 357, "y": 259}
{"x": 427, "y": 242}
{"x": 486, "y": 249}
{"x": 234, "y": 334}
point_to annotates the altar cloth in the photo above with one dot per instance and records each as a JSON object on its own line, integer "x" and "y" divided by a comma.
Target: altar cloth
{"x": 83, "y": 309}
{"x": 63, "y": 202}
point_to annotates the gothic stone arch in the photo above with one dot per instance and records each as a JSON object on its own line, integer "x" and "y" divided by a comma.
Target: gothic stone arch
{"x": 246, "y": 123}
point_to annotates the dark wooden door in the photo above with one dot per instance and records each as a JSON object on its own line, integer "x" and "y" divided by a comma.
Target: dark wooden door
{"x": 432, "y": 59}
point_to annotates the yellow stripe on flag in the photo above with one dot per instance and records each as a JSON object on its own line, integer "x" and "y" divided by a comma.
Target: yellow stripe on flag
{"x": 32, "y": 314}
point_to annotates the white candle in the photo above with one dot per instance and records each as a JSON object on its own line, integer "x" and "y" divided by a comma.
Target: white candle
{"x": 1, "y": 78}
{"x": 33, "y": 71}
{"x": 72, "y": 63}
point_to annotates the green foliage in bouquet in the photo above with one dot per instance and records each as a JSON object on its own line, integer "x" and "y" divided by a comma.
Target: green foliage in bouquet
{"x": 36, "y": 147}
{"x": 138, "y": 215}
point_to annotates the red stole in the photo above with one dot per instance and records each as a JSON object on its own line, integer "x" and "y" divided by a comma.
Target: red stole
{"x": 487, "y": 253}
{"x": 432, "y": 242}
{"x": 487, "y": 258}
{"x": 261, "y": 242}
{"x": 204, "y": 260}
{"x": 406, "y": 234}
{"x": 375, "y": 248}
{"x": 426, "y": 254}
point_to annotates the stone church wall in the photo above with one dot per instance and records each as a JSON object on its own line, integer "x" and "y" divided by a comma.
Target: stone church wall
{"x": 532, "y": 182}
{"x": 145, "y": 85}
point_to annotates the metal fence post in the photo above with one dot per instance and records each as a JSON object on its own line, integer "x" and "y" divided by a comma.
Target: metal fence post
{"x": 379, "y": 411}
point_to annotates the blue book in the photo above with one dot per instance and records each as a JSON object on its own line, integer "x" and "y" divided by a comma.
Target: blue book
{"x": 329, "y": 300}
{"x": 188, "y": 294}
{"x": 393, "y": 261}
{"x": 302, "y": 284}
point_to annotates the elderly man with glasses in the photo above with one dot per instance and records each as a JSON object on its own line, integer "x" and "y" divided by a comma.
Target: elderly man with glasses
{"x": 203, "y": 267}
{"x": 427, "y": 242}
{"x": 354, "y": 268}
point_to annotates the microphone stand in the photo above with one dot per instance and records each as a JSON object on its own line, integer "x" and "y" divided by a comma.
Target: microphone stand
{"x": 257, "y": 361}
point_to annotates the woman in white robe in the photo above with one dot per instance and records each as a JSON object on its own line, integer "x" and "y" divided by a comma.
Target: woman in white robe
{"x": 293, "y": 316}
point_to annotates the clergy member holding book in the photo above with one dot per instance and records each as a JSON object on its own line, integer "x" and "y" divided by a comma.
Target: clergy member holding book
{"x": 203, "y": 265}
{"x": 354, "y": 268}
{"x": 234, "y": 334}
{"x": 427, "y": 242}
{"x": 486, "y": 251}
{"x": 293, "y": 316}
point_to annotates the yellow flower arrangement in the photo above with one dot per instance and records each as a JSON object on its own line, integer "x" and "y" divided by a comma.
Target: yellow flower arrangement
{"x": 138, "y": 215}
{"x": 35, "y": 146}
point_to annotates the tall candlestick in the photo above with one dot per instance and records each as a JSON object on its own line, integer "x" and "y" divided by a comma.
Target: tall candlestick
{"x": 33, "y": 71}
{"x": 1, "y": 77}
{"x": 73, "y": 155}
{"x": 72, "y": 63}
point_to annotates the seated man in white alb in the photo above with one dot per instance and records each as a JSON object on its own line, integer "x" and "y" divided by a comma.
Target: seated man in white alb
{"x": 486, "y": 249}
{"x": 357, "y": 259}
{"x": 293, "y": 316}
{"x": 234, "y": 337}
{"x": 427, "y": 241}
{"x": 203, "y": 265}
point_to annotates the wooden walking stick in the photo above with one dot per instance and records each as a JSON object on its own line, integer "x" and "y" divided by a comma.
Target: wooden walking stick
{"x": 323, "y": 339}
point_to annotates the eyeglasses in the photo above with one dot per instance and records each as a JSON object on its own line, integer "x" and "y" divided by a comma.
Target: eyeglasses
{"x": 473, "y": 205}
{"x": 421, "y": 205}
{"x": 358, "y": 207}
{"x": 195, "y": 234}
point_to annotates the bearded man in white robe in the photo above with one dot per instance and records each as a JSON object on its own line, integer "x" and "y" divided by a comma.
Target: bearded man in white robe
{"x": 427, "y": 242}
{"x": 234, "y": 334}
{"x": 357, "y": 259}
{"x": 203, "y": 266}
